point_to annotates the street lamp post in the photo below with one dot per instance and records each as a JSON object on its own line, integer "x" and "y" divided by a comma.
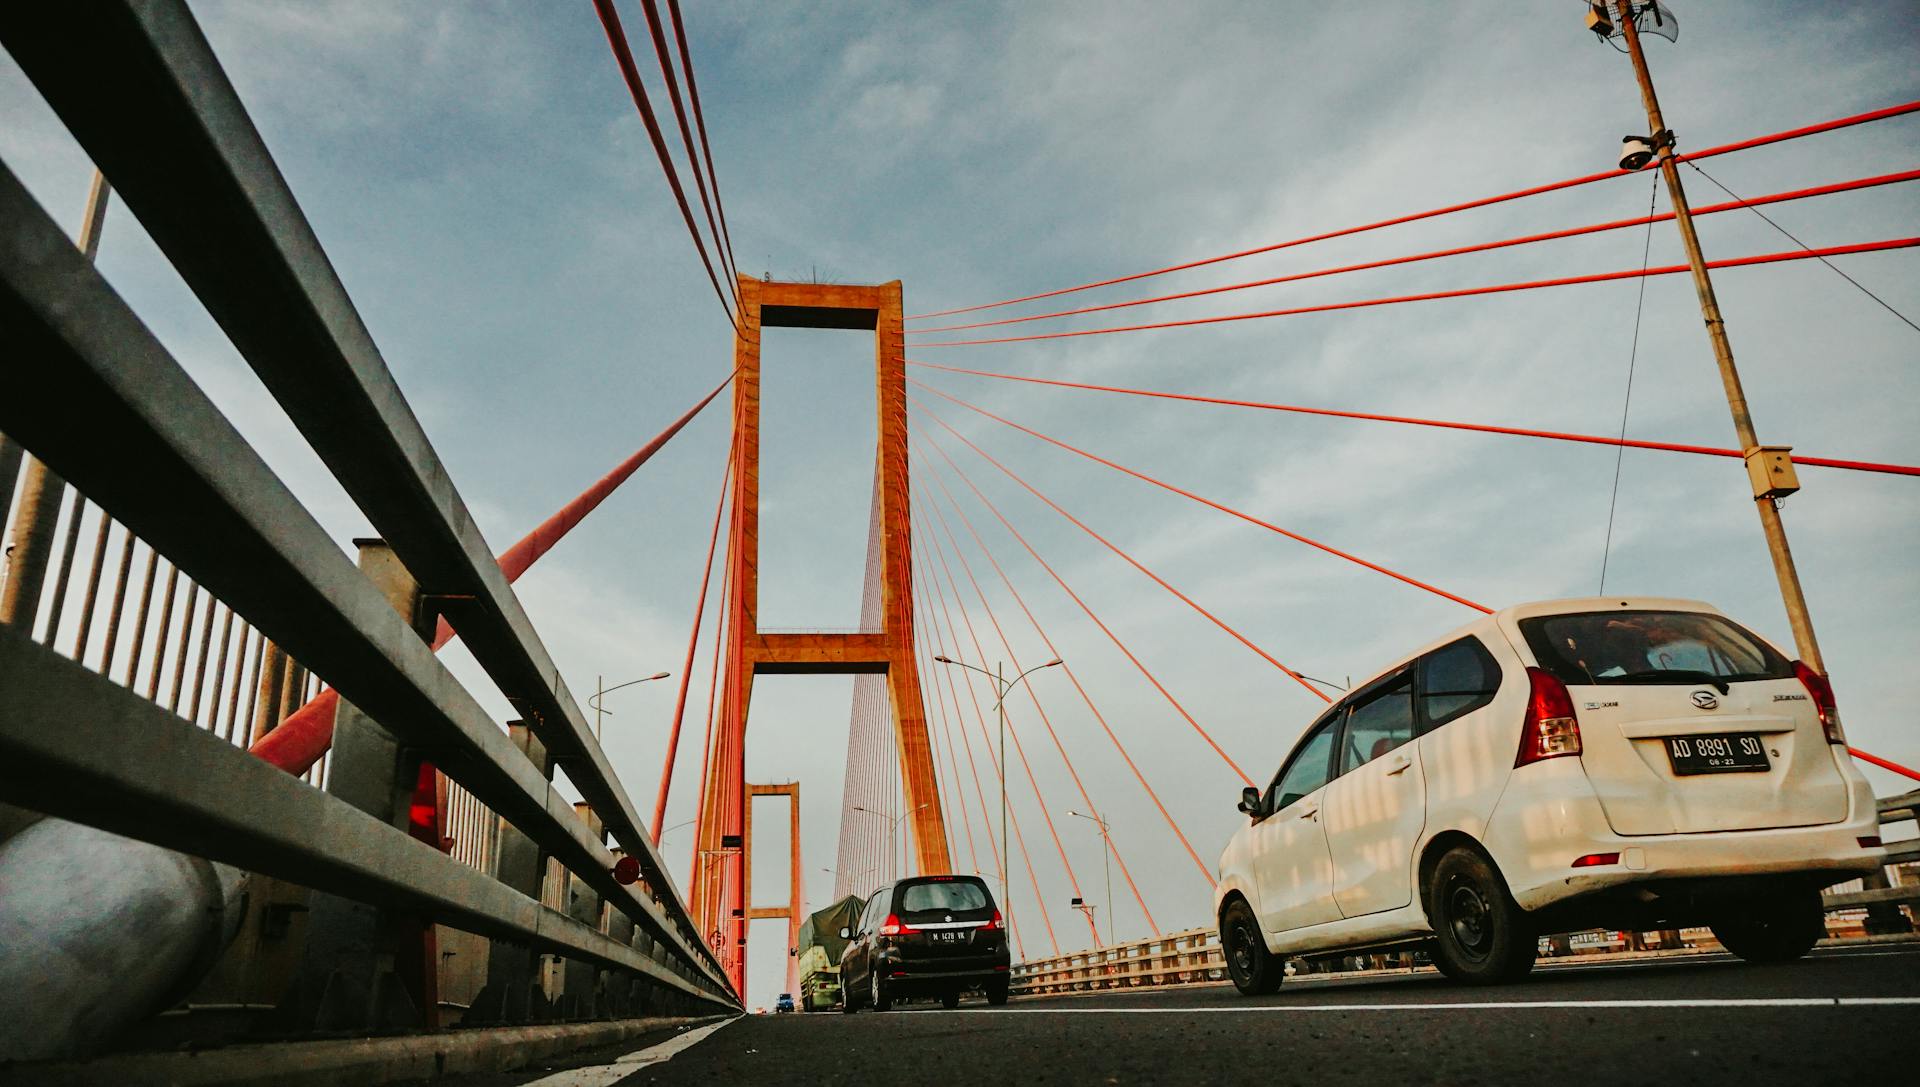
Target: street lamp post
{"x": 998, "y": 675}
{"x": 1106, "y": 863}
{"x": 1768, "y": 488}
{"x": 893, "y": 824}
{"x": 600, "y": 691}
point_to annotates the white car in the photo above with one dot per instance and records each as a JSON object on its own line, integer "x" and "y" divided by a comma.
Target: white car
{"x": 1631, "y": 763}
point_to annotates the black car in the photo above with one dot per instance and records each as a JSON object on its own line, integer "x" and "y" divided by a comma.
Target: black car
{"x": 925, "y": 936}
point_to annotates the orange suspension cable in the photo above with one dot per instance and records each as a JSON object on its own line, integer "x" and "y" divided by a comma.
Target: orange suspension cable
{"x": 1018, "y": 669}
{"x": 1106, "y": 834}
{"x": 658, "y": 32}
{"x": 1247, "y": 517}
{"x": 1463, "y": 292}
{"x": 953, "y": 793}
{"x": 1205, "y": 872}
{"x": 623, "y": 57}
{"x": 1019, "y": 748}
{"x": 986, "y": 739}
{"x": 700, "y": 122}
{"x": 686, "y": 667}
{"x": 1447, "y": 424}
{"x": 1129, "y": 559}
{"x": 1437, "y": 254}
{"x": 1104, "y": 629}
{"x": 1536, "y": 190}
{"x": 941, "y": 642}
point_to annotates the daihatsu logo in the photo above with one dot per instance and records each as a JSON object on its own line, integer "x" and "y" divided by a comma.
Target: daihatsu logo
{"x": 1705, "y": 700}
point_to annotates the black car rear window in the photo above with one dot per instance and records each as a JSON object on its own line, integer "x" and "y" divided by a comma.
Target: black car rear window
{"x": 953, "y": 895}
{"x": 1650, "y": 647}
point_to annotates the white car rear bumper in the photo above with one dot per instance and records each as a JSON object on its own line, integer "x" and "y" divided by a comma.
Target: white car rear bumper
{"x": 1549, "y": 816}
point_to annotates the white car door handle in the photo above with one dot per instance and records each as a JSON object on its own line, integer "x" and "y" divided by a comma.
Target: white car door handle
{"x": 1309, "y": 813}
{"x": 1399, "y": 766}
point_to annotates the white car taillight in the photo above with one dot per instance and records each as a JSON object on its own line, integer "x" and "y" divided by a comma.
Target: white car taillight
{"x": 1821, "y": 690}
{"x": 1550, "y": 730}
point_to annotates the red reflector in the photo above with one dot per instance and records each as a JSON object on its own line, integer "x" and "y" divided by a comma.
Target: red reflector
{"x": 999, "y": 968}
{"x": 626, "y": 870}
{"x": 1594, "y": 860}
{"x": 1871, "y": 841}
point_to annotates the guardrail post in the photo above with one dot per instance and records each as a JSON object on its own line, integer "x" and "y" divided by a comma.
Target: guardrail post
{"x": 368, "y": 968}
{"x": 41, "y": 493}
{"x": 512, "y": 993}
{"x": 581, "y": 981}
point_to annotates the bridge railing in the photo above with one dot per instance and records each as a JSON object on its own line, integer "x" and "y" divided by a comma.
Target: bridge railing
{"x": 95, "y": 396}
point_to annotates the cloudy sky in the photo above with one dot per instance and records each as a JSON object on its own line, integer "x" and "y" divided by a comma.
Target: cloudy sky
{"x": 490, "y": 199}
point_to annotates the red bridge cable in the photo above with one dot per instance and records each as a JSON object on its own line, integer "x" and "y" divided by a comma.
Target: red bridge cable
{"x": 700, "y": 123}
{"x": 1464, "y": 292}
{"x": 307, "y": 733}
{"x": 1019, "y": 747}
{"x": 1247, "y": 517}
{"x": 1742, "y": 145}
{"x": 1885, "y": 764}
{"x": 1107, "y": 844}
{"x": 1129, "y": 559}
{"x": 686, "y": 666}
{"x": 658, "y": 32}
{"x": 720, "y": 624}
{"x": 925, "y": 648}
{"x": 1504, "y": 243}
{"x": 1125, "y": 756}
{"x": 623, "y": 56}
{"x": 1152, "y": 926}
{"x": 986, "y": 739}
{"x": 940, "y": 641}
{"x": 1524, "y": 432}
{"x": 1104, "y": 629}
{"x": 952, "y": 792}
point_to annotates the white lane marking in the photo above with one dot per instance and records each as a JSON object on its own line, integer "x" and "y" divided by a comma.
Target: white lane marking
{"x": 1484, "y": 1005}
{"x": 602, "y": 1075}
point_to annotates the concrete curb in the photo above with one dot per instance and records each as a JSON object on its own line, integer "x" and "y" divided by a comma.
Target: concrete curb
{"x": 346, "y": 1062}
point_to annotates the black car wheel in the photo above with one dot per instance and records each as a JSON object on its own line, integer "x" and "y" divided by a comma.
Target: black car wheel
{"x": 881, "y": 999}
{"x": 950, "y": 1000}
{"x": 1255, "y": 970}
{"x": 997, "y": 992}
{"x": 1777, "y": 928}
{"x": 1481, "y": 936}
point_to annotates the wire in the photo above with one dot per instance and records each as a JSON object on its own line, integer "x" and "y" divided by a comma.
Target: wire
{"x": 1465, "y": 292}
{"x": 693, "y": 641}
{"x": 1104, "y": 629}
{"x": 1447, "y": 424}
{"x": 1247, "y": 517}
{"x": 623, "y": 56}
{"x": 700, "y": 123}
{"x": 1789, "y": 234}
{"x": 1067, "y": 668}
{"x": 661, "y": 54}
{"x": 1743, "y": 145}
{"x": 1504, "y": 243}
{"x": 1626, "y": 402}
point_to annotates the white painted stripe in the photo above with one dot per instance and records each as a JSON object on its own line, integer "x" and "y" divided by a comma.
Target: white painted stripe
{"x": 603, "y": 1075}
{"x": 1478, "y": 1005}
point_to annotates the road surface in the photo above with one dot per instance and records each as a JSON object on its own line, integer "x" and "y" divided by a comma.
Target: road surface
{"x": 1847, "y": 1015}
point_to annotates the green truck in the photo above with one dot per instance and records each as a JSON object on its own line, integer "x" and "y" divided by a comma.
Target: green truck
{"x": 819, "y": 947}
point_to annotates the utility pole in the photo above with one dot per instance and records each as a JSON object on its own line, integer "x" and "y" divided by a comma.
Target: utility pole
{"x": 1764, "y": 499}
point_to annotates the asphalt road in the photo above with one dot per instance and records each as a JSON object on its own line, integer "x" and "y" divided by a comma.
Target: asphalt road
{"x": 1843, "y": 1015}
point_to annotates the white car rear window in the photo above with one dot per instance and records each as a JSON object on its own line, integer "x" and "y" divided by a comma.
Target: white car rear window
{"x": 1650, "y": 647}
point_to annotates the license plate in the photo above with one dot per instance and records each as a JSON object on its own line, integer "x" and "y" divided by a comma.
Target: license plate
{"x": 1725, "y": 753}
{"x": 949, "y": 937}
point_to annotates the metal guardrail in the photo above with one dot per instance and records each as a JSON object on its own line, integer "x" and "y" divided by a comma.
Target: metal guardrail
{"x": 95, "y": 396}
{"x": 1193, "y": 955}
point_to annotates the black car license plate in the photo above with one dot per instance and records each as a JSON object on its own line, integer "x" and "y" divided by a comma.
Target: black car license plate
{"x": 947, "y": 937}
{"x": 1724, "y": 753}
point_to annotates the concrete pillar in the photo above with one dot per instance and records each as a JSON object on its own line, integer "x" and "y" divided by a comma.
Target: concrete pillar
{"x": 367, "y": 968}
{"x": 513, "y": 993}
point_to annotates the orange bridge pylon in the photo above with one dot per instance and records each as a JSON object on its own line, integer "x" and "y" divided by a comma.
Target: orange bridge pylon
{"x": 720, "y": 883}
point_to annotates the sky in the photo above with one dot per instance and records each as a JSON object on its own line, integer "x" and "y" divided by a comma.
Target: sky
{"x": 488, "y": 196}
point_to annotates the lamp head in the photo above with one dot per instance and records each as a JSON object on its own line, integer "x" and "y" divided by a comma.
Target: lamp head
{"x": 1635, "y": 152}
{"x": 943, "y": 660}
{"x": 1053, "y": 662}
{"x": 659, "y": 675}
